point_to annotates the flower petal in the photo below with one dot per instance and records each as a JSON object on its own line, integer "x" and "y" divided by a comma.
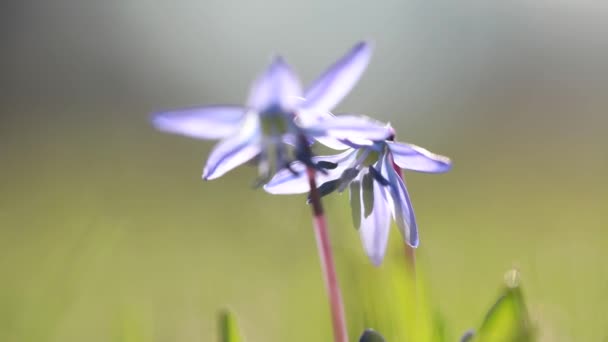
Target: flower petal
{"x": 305, "y": 117}
{"x": 335, "y": 83}
{"x": 234, "y": 151}
{"x": 343, "y": 144}
{"x": 348, "y": 127}
{"x": 212, "y": 122}
{"x": 374, "y": 228}
{"x": 284, "y": 182}
{"x": 332, "y": 143}
{"x": 402, "y": 209}
{"x": 288, "y": 182}
{"x": 416, "y": 158}
{"x": 278, "y": 87}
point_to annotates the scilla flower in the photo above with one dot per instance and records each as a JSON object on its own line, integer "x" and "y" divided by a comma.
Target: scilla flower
{"x": 377, "y": 191}
{"x": 261, "y": 129}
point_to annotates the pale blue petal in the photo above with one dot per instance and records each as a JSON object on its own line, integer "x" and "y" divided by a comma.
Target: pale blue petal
{"x": 236, "y": 150}
{"x": 278, "y": 88}
{"x": 374, "y": 229}
{"x": 305, "y": 117}
{"x": 349, "y": 127}
{"x": 286, "y": 182}
{"x": 415, "y": 158}
{"x": 334, "y": 144}
{"x": 212, "y": 122}
{"x": 335, "y": 83}
{"x": 358, "y": 143}
{"x": 227, "y": 155}
{"x": 290, "y": 139}
{"x": 402, "y": 209}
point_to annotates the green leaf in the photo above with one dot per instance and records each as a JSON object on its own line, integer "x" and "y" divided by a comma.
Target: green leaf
{"x": 507, "y": 320}
{"x": 370, "y": 335}
{"x": 229, "y": 331}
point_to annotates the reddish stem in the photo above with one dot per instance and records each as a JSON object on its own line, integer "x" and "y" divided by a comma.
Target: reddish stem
{"x": 327, "y": 263}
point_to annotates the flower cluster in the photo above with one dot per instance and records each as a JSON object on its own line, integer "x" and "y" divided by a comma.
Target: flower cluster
{"x": 279, "y": 122}
{"x": 377, "y": 190}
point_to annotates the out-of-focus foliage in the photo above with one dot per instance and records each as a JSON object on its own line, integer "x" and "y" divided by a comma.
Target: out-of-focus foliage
{"x": 508, "y": 319}
{"x": 229, "y": 331}
{"x": 406, "y": 317}
{"x": 393, "y": 300}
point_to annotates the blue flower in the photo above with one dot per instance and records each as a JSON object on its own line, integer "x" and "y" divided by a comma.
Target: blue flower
{"x": 377, "y": 191}
{"x": 277, "y": 114}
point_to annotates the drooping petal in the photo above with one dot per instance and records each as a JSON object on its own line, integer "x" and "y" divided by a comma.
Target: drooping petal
{"x": 278, "y": 87}
{"x": 295, "y": 181}
{"x": 416, "y": 158}
{"x": 211, "y": 122}
{"x": 402, "y": 209}
{"x": 335, "y": 83}
{"x": 236, "y": 150}
{"x": 374, "y": 228}
{"x": 348, "y": 127}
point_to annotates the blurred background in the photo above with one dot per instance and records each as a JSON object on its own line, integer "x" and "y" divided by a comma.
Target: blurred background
{"x": 107, "y": 231}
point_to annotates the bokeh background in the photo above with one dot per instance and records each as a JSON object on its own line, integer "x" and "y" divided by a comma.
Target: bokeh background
{"x": 107, "y": 231}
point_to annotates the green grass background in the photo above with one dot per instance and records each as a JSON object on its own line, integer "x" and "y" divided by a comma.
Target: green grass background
{"x": 107, "y": 232}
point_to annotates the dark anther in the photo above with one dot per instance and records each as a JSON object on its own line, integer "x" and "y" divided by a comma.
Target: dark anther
{"x": 323, "y": 164}
{"x": 378, "y": 177}
{"x": 290, "y": 168}
{"x": 326, "y": 188}
{"x": 349, "y": 143}
{"x": 319, "y": 169}
{"x": 347, "y": 176}
{"x": 304, "y": 155}
{"x": 305, "y": 158}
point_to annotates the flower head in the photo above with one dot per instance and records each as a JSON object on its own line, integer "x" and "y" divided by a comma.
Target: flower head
{"x": 277, "y": 114}
{"x": 377, "y": 191}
